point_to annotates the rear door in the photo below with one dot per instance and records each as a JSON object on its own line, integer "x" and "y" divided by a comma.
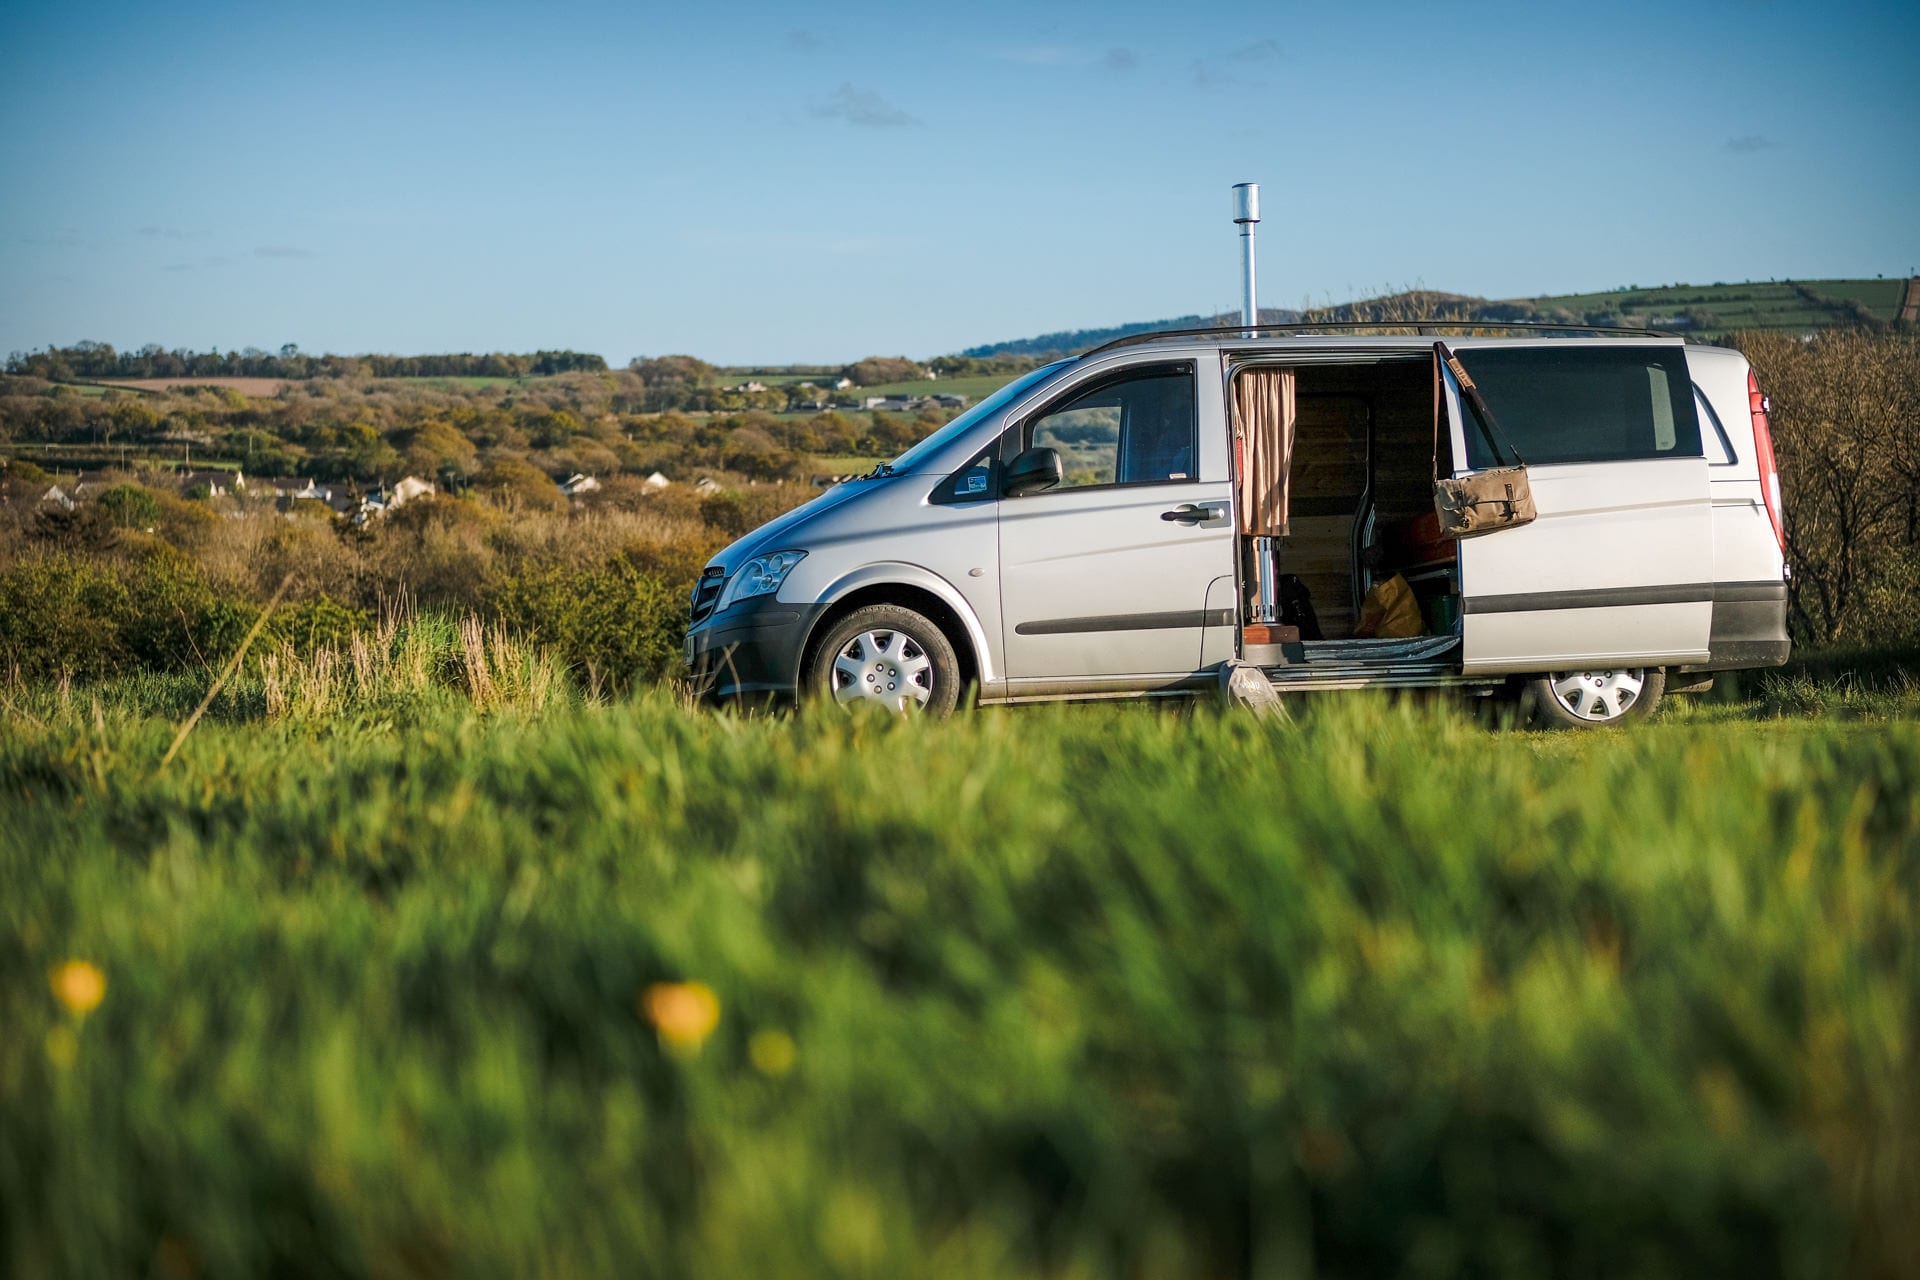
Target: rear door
{"x": 1618, "y": 566}
{"x": 1105, "y": 578}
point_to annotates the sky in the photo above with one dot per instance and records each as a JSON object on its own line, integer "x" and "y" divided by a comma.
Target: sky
{"x": 756, "y": 183}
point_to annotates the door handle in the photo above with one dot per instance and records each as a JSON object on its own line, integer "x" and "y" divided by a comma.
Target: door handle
{"x": 1188, "y": 513}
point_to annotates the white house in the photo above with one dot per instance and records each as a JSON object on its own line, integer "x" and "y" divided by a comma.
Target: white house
{"x": 407, "y": 489}
{"x": 654, "y": 483}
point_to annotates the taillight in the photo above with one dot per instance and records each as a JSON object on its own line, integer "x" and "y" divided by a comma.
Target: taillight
{"x": 1759, "y": 406}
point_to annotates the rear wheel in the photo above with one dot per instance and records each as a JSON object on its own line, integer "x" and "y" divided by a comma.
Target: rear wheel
{"x": 886, "y": 656}
{"x": 1594, "y": 698}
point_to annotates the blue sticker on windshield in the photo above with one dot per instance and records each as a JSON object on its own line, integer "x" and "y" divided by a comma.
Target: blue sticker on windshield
{"x": 975, "y": 482}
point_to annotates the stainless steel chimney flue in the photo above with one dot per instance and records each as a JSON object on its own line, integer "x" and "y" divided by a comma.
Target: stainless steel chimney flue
{"x": 1246, "y": 215}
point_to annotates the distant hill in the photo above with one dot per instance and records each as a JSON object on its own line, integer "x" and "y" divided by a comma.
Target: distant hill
{"x": 1710, "y": 311}
{"x": 1082, "y": 339}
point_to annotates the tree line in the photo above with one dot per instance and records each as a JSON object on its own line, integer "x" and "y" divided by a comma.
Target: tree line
{"x": 99, "y": 361}
{"x": 680, "y": 381}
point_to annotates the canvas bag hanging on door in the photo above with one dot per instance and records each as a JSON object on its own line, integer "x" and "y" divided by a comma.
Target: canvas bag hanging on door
{"x": 1500, "y": 497}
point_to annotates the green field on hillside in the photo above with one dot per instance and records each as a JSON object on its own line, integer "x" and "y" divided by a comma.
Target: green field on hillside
{"x": 733, "y": 377}
{"x": 1771, "y": 305}
{"x": 498, "y": 980}
{"x": 831, "y": 464}
{"x": 975, "y": 387}
{"x": 467, "y": 380}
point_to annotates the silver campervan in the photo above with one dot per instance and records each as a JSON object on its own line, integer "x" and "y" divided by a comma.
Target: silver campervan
{"x": 1581, "y": 522}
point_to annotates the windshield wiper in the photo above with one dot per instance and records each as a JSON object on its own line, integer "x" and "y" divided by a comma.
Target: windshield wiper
{"x": 880, "y": 469}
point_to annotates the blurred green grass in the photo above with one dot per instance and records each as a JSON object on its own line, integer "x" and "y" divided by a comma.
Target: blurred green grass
{"x": 1069, "y": 991}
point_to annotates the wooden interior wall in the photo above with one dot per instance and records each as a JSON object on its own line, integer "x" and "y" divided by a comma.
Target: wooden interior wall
{"x": 1328, "y": 476}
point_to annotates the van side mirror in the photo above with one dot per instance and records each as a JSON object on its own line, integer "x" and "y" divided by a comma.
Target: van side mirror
{"x": 1032, "y": 471}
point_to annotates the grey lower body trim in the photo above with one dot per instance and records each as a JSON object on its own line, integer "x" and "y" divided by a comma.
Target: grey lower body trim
{"x": 1043, "y": 688}
{"x": 1773, "y": 591}
{"x": 1593, "y": 598}
{"x": 1749, "y": 627}
{"x": 1177, "y": 620}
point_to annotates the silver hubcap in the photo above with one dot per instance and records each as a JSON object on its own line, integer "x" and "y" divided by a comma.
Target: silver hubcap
{"x": 1598, "y": 696}
{"x": 884, "y": 667}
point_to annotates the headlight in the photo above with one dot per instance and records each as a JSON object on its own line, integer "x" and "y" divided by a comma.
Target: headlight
{"x": 761, "y": 576}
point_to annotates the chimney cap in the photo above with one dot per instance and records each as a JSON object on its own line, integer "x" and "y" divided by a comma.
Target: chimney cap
{"x": 1246, "y": 202}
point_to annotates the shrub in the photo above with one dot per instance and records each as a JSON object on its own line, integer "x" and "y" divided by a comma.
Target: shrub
{"x": 513, "y": 481}
{"x": 738, "y": 511}
{"x": 131, "y": 506}
{"x": 25, "y": 472}
{"x": 175, "y": 619}
{"x": 62, "y": 614}
{"x": 614, "y": 621}
{"x": 307, "y": 625}
{"x": 82, "y": 617}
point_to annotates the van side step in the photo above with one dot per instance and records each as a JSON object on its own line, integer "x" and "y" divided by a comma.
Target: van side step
{"x": 1377, "y": 652}
{"x": 1370, "y": 675}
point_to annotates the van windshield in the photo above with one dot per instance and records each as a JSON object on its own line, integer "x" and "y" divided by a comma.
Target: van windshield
{"x": 920, "y": 452}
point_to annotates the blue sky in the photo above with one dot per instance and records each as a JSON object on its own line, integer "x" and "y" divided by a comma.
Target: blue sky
{"x": 792, "y": 183}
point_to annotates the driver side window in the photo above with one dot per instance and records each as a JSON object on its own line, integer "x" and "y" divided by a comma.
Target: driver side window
{"x": 1136, "y": 428}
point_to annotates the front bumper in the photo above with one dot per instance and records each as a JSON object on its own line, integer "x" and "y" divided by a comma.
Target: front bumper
{"x": 751, "y": 650}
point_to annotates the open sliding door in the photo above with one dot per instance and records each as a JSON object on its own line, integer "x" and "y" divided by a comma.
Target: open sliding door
{"x": 1617, "y": 566}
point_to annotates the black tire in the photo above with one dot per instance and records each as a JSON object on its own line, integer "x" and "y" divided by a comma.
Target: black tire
{"x": 891, "y": 675}
{"x": 1544, "y": 708}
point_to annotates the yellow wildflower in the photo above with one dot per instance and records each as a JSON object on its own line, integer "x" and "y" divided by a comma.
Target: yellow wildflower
{"x": 772, "y": 1052}
{"x": 684, "y": 1013}
{"x": 79, "y": 986}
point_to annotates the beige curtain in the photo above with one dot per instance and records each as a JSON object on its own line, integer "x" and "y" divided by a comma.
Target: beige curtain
{"x": 1263, "y": 422}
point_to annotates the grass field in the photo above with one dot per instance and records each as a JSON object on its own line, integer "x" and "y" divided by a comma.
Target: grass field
{"x": 464, "y": 380}
{"x": 245, "y": 386}
{"x": 835, "y": 464}
{"x": 1776, "y": 305}
{"x": 738, "y": 374}
{"x": 445, "y": 974}
{"x": 974, "y": 388}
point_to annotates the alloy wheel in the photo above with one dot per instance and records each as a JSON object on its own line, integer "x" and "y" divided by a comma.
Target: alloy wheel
{"x": 887, "y": 668}
{"x": 1598, "y": 696}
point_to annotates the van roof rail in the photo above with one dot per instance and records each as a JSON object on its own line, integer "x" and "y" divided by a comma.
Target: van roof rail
{"x": 1422, "y": 328}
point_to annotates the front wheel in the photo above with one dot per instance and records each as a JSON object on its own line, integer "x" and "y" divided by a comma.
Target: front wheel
{"x": 886, "y": 656}
{"x": 1594, "y": 698}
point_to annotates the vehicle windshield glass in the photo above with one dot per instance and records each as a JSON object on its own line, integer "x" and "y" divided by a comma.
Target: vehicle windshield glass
{"x": 959, "y": 426}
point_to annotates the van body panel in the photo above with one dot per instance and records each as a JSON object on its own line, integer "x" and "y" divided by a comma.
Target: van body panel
{"x": 965, "y": 605}
{"x": 1616, "y": 568}
{"x": 1094, "y": 582}
{"x": 893, "y": 534}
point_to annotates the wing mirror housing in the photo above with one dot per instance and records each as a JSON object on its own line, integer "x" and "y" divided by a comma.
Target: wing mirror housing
{"x": 1033, "y": 471}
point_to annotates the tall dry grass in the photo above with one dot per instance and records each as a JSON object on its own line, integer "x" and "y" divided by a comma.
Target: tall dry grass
{"x": 408, "y": 655}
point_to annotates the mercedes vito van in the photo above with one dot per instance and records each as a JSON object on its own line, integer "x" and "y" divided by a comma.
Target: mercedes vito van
{"x": 1583, "y": 522}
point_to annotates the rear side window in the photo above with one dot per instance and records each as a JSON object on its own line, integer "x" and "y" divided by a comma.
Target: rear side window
{"x": 1583, "y": 404}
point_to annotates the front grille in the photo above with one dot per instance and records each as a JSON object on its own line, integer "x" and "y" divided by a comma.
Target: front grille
{"x": 706, "y": 593}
